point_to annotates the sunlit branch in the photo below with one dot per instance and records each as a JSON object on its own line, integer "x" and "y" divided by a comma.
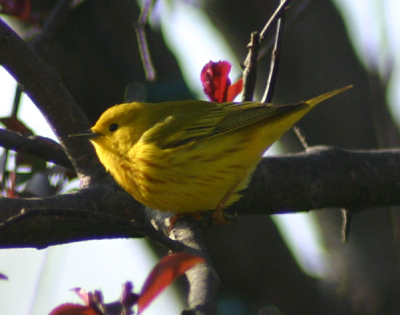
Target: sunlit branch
{"x": 275, "y": 16}
{"x": 40, "y": 147}
{"x": 274, "y": 65}
{"x": 250, "y": 70}
{"x": 142, "y": 41}
{"x": 251, "y": 62}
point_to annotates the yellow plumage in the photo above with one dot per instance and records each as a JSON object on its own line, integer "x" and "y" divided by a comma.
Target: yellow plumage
{"x": 190, "y": 156}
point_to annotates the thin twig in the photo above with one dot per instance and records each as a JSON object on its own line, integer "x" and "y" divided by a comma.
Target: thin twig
{"x": 14, "y": 113}
{"x": 142, "y": 41}
{"x": 16, "y": 101}
{"x": 347, "y": 218}
{"x": 275, "y": 16}
{"x": 273, "y": 71}
{"x": 301, "y": 137}
{"x": 295, "y": 13}
{"x": 251, "y": 61}
{"x": 250, "y": 70}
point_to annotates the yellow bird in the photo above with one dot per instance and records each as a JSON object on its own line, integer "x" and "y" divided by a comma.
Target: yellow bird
{"x": 190, "y": 156}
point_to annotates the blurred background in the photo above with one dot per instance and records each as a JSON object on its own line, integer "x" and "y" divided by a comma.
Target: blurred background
{"x": 289, "y": 264}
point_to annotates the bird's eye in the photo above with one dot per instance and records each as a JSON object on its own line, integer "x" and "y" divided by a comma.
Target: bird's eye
{"x": 113, "y": 127}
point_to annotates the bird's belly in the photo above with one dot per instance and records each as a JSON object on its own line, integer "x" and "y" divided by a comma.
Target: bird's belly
{"x": 191, "y": 181}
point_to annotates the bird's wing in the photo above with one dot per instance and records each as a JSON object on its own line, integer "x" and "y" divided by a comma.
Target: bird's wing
{"x": 245, "y": 114}
{"x": 220, "y": 119}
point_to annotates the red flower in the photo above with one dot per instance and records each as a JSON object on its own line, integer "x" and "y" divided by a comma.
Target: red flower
{"x": 216, "y": 83}
{"x": 18, "y": 8}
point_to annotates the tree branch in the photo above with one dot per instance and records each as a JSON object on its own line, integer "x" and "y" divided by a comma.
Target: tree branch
{"x": 40, "y": 147}
{"x": 250, "y": 68}
{"x": 48, "y": 93}
{"x": 274, "y": 64}
{"x": 323, "y": 177}
{"x": 98, "y": 212}
{"x": 251, "y": 62}
{"x": 142, "y": 41}
{"x": 318, "y": 178}
{"x": 203, "y": 279}
{"x": 275, "y": 16}
{"x": 44, "y": 230}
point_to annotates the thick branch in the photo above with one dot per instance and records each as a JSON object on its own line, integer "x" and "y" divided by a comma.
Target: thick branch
{"x": 40, "y": 147}
{"x": 41, "y": 84}
{"x": 44, "y": 230}
{"x": 203, "y": 279}
{"x": 315, "y": 179}
{"x": 323, "y": 177}
{"x": 99, "y": 212}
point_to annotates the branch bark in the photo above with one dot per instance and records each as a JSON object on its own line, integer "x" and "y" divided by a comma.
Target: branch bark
{"x": 318, "y": 178}
{"x": 41, "y": 147}
{"x": 203, "y": 280}
{"x": 323, "y": 177}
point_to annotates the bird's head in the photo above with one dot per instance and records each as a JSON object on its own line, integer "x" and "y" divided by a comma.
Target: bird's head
{"x": 117, "y": 130}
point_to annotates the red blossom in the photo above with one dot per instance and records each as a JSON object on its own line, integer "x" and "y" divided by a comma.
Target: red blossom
{"x": 216, "y": 83}
{"x": 17, "y": 8}
{"x": 163, "y": 274}
{"x": 73, "y": 309}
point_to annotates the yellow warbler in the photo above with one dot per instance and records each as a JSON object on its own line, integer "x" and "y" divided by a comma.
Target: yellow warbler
{"x": 190, "y": 156}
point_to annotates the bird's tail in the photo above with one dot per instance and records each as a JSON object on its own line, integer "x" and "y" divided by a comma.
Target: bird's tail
{"x": 314, "y": 101}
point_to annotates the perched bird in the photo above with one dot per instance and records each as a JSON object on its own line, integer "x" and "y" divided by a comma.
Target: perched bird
{"x": 190, "y": 156}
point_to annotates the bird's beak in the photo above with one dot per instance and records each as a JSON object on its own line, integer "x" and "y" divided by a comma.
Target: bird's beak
{"x": 85, "y": 134}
